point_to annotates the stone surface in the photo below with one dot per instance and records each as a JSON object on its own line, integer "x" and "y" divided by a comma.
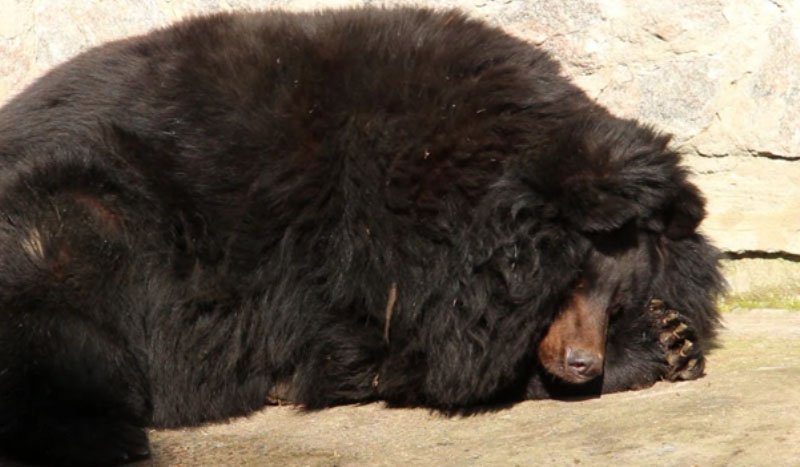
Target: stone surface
{"x": 742, "y": 413}
{"x": 722, "y": 75}
{"x": 753, "y": 202}
{"x": 763, "y": 282}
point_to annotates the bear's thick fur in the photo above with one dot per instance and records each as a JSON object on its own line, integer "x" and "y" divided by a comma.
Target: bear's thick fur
{"x": 329, "y": 207}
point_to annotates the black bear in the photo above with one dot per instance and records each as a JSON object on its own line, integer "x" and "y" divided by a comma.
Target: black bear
{"x": 404, "y": 205}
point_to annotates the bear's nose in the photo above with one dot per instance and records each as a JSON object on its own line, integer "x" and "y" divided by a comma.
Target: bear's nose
{"x": 584, "y": 363}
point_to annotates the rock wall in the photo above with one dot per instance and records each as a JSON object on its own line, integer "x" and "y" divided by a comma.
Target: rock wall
{"x": 722, "y": 75}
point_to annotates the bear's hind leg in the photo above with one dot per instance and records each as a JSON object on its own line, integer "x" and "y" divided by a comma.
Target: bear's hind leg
{"x": 71, "y": 396}
{"x": 73, "y": 387}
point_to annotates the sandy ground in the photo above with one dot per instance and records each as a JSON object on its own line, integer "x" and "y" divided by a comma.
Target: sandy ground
{"x": 745, "y": 411}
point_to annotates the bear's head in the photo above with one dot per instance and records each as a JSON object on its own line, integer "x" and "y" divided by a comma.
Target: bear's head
{"x": 622, "y": 190}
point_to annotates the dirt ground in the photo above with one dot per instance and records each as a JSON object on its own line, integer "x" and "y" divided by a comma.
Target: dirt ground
{"x": 745, "y": 411}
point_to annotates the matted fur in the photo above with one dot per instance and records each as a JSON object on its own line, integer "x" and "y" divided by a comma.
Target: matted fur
{"x": 196, "y": 216}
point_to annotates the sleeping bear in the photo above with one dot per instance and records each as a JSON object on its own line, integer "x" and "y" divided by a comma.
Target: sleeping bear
{"x": 404, "y": 205}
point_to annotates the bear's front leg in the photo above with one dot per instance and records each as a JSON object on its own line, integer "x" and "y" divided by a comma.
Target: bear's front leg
{"x": 678, "y": 339}
{"x": 658, "y": 344}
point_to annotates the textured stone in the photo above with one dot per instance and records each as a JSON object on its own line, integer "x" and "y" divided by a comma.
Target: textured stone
{"x": 722, "y": 75}
{"x": 754, "y": 202}
{"x": 762, "y": 282}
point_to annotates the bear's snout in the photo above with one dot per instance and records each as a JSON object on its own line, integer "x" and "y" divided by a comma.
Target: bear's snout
{"x": 583, "y": 364}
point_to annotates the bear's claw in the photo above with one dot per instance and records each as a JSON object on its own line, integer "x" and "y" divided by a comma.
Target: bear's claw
{"x": 684, "y": 359}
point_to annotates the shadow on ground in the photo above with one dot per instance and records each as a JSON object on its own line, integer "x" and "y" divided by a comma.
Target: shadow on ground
{"x": 746, "y": 411}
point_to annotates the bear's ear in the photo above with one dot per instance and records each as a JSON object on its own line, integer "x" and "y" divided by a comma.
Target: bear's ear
{"x": 684, "y": 213}
{"x": 597, "y": 209}
{"x": 604, "y": 172}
